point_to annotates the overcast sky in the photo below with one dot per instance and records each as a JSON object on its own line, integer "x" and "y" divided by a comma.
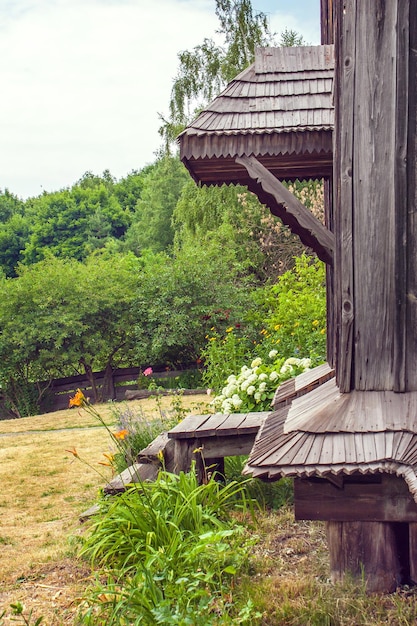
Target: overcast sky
{"x": 83, "y": 81}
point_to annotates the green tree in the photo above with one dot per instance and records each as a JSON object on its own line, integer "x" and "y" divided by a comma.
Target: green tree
{"x": 263, "y": 246}
{"x": 62, "y": 316}
{"x": 14, "y": 231}
{"x": 204, "y": 70}
{"x": 181, "y": 298}
{"x": 128, "y": 190}
{"x": 294, "y": 311}
{"x": 152, "y": 221}
{"x": 71, "y": 223}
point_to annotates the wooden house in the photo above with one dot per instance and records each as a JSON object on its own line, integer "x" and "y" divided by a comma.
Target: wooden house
{"x": 349, "y": 441}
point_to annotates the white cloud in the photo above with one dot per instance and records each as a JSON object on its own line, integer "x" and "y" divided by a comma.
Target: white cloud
{"x": 83, "y": 82}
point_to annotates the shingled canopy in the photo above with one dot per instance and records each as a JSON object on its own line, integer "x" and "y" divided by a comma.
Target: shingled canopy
{"x": 272, "y": 122}
{"x": 279, "y": 110}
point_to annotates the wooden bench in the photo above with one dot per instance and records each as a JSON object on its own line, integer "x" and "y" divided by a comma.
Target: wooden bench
{"x": 208, "y": 439}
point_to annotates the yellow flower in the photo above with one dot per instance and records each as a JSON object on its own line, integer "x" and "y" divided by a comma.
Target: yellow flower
{"x": 229, "y": 330}
{"x": 122, "y": 434}
{"x": 315, "y": 323}
{"x": 277, "y": 326}
{"x": 78, "y": 400}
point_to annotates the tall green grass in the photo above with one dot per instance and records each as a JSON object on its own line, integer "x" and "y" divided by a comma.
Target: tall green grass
{"x": 168, "y": 553}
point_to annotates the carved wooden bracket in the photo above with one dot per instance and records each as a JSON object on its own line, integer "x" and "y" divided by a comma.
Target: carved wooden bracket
{"x": 291, "y": 211}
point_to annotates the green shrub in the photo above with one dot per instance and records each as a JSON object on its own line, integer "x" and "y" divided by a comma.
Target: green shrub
{"x": 295, "y": 319}
{"x": 287, "y": 319}
{"x": 168, "y": 553}
{"x": 223, "y": 355}
{"x": 254, "y": 387}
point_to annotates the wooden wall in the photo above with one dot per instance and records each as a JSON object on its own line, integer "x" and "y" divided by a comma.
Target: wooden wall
{"x": 375, "y": 268}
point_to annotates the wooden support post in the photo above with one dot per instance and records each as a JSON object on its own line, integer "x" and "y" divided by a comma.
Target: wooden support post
{"x": 375, "y": 552}
{"x": 184, "y": 454}
{"x": 412, "y": 530}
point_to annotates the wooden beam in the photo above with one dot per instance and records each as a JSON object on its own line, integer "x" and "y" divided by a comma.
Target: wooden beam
{"x": 387, "y": 501}
{"x": 291, "y": 211}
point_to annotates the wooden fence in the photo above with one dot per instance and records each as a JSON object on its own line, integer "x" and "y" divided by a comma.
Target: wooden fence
{"x": 61, "y": 389}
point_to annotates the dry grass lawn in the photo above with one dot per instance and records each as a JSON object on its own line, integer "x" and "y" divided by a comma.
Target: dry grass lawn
{"x": 44, "y": 489}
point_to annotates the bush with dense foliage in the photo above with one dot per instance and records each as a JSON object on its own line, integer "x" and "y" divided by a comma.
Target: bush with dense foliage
{"x": 175, "y": 547}
{"x": 285, "y": 322}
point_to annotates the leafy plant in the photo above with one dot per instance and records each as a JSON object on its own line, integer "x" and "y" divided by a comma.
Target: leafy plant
{"x": 223, "y": 355}
{"x": 295, "y": 310}
{"x": 254, "y": 387}
{"x": 169, "y": 552}
{"x": 18, "y": 611}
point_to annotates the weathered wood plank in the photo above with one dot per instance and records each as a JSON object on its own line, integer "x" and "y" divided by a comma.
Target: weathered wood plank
{"x": 412, "y": 531}
{"x": 290, "y": 210}
{"x": 401, "y": 193}
{"x": 411, "y": 363}
{"x": 231, "y": 425}
{"x": 387, "y": 501}
{"x": 252, "y": 422}
{"x": 326, "y": 21}
{"x": 188, "y": 427}
{"x": 215, "y": 447}
{"x": 139, "y": 472}
{"x": 345, "y": 18}
{"x": 374, "y": 156}
{"x": 303, "y": 383}
{"x": 151, "y": 454}
{"x": 367, "y": 551}
{"x": 210, "y": 426}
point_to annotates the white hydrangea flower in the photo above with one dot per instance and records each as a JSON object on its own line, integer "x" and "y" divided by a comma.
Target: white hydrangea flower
{"x": 263, "y": 376}
{"x": 273, "y": 354}
{"x": 305, "y": 363}
{"x": 236, "y": 401}
{"x": 231, "y": 378}
{"x": 292, "y": 361}
{"x": 227, "y": 406}
{"x": 286, "y": 369}
{"x": 250, "y": 390}
{"x": 273, "y": 376}
{"x": 256, "y": 362}
{"x": 245, "y": 385}
{"x": 262, "y": 387}
{"x": 257, "y": 396}
{"x": 231, "y": 389}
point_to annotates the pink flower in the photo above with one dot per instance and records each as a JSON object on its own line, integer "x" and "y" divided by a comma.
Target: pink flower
{"x": 148, "y": 371}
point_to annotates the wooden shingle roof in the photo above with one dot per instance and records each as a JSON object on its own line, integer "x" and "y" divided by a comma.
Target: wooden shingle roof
{"x": 279, "y": 110}
{"x": 326, "y": 433}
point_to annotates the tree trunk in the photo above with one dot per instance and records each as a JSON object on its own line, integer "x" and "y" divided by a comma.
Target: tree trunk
{"x": 90, "y": 376}
{"x": 108, "y": 390}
